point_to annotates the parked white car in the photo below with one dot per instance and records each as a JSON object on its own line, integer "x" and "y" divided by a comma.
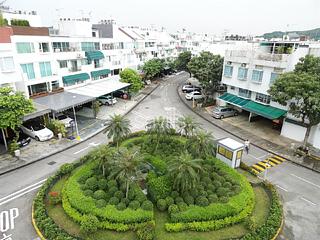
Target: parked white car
{"x": 107, "y": 100}
{"x": 66, "y": 120}
{"x": 194, "y": 95}
{"x": 37, "y": 131}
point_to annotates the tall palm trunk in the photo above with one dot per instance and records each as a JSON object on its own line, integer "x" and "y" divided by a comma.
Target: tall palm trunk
{"x": 127, "y": 189}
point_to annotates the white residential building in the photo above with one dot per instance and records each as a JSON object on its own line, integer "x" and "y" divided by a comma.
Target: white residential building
{"x": 249, "y": 73}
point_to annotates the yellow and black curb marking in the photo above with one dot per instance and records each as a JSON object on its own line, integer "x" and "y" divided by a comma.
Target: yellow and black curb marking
{"x": 35, "y": 224}
{"x": 269, "y": 162}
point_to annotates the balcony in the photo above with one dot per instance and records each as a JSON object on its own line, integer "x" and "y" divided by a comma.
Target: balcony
{"x": 75, "y": 69}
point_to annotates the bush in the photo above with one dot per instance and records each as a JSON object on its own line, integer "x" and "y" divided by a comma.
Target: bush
{"x": 222, "y": 192}
{"x": 182, "y": 206}
{"x": 88, "y": 193}
{"x": 178, "y": 200}
{"x": 103, "y": 184}
{"x": 99, "y": 194}
{"x": 140, "y": 197}
{"x": 158, "y": 187}
{"x": 57, "y": 127}
{"x": 119, "y": 194}
{"x": 213, "y": 198}
{"x": 131, "y": 194}
{"x": 89, "y": 223}
{"x": 65, "y": 169}
{"x": 112, "y": 190}
{"x": 147, "y": 205}
{"x": 134, "y": 205}
{"x": 112, "y": 183}
{"x": 224, "y": 199}
{"x": 146, "y": 231}
{"x": 54, "y": 198}
{"x": 217, "y": 183}
{"x": 126, "y": 201}
{"x": 202, "y": 201}
{"x": 169, "y": 200}
{"x": 227, "y": 185}
{"x": 162, "y": 205}
{"x": 113, "y": 201}
{"x": 189, "y": 200}
{"x": 250, "y": 223}
{"x": 175, "y": 194}
{"x": 194, "y": 193}
{"x": 121, "y": 206}
{"x": 101, "y": 203}
{"x": 92, "y": 184}
{"x": 203, "y": 193}
{"x": 173, "y": 208}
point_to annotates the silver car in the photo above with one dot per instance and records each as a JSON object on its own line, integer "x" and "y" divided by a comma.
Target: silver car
{"x": 222, "y": 112}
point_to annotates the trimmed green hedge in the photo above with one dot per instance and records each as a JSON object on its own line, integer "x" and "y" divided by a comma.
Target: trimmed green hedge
{"x": 216, "y": 211}
{"x": 87, "y": 205}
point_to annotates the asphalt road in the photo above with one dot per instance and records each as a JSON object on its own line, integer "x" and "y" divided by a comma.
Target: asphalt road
{"x": 298, "y": 186}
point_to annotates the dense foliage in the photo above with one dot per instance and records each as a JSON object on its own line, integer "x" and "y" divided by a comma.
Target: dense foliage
{"x": 131, "y": 76}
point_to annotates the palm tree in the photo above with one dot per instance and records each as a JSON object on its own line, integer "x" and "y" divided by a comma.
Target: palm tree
{"x": 185, "y": 171}
{"x": 105, "y": 157}
{"x": 159, "y": 127}
{"x": 187, "y": 126}
{"x": 118, "y": 127}
{"x": 202, "y": 143}
{"x": 127, "y": 165}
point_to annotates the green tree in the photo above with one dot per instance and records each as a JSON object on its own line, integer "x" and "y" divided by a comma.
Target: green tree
{"x": 106, "y": 156}
{"x": 201, "y": 144}
{"x": 117, "y": 128}
{"x": 159, "y": 128}
{"x": 13, "y": 106}
{"x": 95, "y": 108}
{"x": 187, "y": 126}
{"x": 184, "y": 170}
{"x": 301, "y": 91}
{"x": 152, "y": 68}
{"x": 20, "y": 22}
{"x": 183, "y": 60}
{"x": 131, "y": 76}
{"x": 308, "y": 64}
{"x": 127, "y": 165}
{"x": 207, "y": 68}
{"x": 3, "y": 21}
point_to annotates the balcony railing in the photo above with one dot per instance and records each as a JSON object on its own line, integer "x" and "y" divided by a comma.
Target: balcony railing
{"x": 257, "y": 55}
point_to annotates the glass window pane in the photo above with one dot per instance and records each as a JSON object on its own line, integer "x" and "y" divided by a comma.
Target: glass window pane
{"x": 228, "y": 71}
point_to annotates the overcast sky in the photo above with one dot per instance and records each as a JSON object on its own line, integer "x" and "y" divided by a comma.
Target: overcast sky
{"x": 203, "y": 16}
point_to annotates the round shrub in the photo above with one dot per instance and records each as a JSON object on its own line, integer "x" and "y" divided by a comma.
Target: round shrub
{"x": 175, "y": 194}
{"x": 112, "y": 190}
{"x": 103, "y": 184}
{"x": 173, "y": 208}
{"x": 112, "y": 183}
{"x": 99, "y": 194}
{"x": 214, "y": 175}
{"x": 88, "y": 193}
{"x": 121, "y": 206}
{"x": 162, "y": 204}
{"x": 202, "y": 201}
{"x": 217, "y": 183}
{"x": 213, "y": 198}
{"x": 169, "y": 200}
{"x": 200, "y": 188}
{"x": 140, "y": 197}
{"x": 147, "y": 205}
{"x": 113, "y": 201}
{"x": 236, "y": 189}
{"x": 131, "y": 194}
{"x": 209, "y": 192}
{"x": 182, "y": 206}
{"x": 227, "y": 185}
{"x": 189, "y": 200}
{"x": 89, "y": 223}
{"x": 221, "y": 191}
{"x": 194, "y": 193}
{"x": 134, "y": 205}
{"x": 203, "y": 193}
{"x": 178, "y": 200}
{"x": 206, "y": 180}
{"x": 82, "y": 179}
{"x": 221, "y": 179}
{"x": 92, "y": 183}
{"x": 146, "y": 231}
{"x": 83, "y": 187}
{"x": 126, "y": 201}
{"x": 224, "y": 199}
{"x": 119, "y": 194}
{"x": 101, "y": 203}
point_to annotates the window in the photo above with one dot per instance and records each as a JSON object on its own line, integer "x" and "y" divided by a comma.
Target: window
{"x": 90, "y": 46}
{"x": 228, "y": 71}
{"x": 257, "y": 76}
{"x": 45, "y": 69}
{"x": 242, "y": 73}
{"x": 273, "y": 77}
{"x": 54, "y": 85}
{"x": 232, "y": 87}
{"x": 29, "y": 70}
{"x": 61, "y": 46}
{"x": 97, "y": 63}
{"x": 38, "y": 88}
{"x": 6, "y": 64}
{"x": 239, "y": 154}
{"x": 244, "y": 93}
{"x": 43, "y": 47}
{"x": 225, "y": 152}
{"x": 63, "y": 64}
{"x": 263, "y": 98}
{"x": 25, "y": 47}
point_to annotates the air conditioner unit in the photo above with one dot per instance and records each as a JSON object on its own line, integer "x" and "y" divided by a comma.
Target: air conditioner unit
{"x": 243, "y": 65}
{"x": 229, "y": 63}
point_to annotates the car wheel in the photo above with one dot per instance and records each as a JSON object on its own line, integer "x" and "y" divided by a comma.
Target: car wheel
{"x": 107, "y": 104}
{"x": 37, "y": 138}
{"x": 221, "y": 117}
{"x": 236, "y": 114}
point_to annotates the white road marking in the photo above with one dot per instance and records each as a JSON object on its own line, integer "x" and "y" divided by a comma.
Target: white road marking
{"x": 92, "y": 144}
{"x": 83, "y": 149}
{"x": 308, "y": 201}
{"x": 282, "y": 188}
{"x": 22, "y": 190}
{"x": 263, "y": 156}
{"x": 19, "y": 195}
{"x": 305, "y": 180}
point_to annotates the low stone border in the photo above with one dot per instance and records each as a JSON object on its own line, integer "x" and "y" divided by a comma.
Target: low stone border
{"x": 39, "y": 233}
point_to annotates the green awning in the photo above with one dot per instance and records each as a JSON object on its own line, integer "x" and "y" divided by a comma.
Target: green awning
{"x": 233, "y": 99}
{"x": 71, "y": 79}
{"x": 100, "y": 72}
{"x": 264, "y": 110}
{"x": 94, "y": 55}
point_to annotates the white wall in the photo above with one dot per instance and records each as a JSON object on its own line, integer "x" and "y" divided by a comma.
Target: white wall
{"x": 293, "y": 131}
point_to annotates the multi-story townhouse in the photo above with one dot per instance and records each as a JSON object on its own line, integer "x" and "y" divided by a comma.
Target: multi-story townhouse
{"x": 249, "y": 73}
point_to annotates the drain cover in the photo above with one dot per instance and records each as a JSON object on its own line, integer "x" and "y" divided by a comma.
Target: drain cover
{"x": 51, "y": 163}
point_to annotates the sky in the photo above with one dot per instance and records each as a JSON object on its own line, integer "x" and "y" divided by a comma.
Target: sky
{"x": 246, "y": 17}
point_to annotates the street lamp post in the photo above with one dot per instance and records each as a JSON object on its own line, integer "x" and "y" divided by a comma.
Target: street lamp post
{"x": 75, "y": 120}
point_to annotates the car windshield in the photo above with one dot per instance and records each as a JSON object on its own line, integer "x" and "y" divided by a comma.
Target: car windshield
{"x": 38, "y": 127}
{"x": 61, "y": 117}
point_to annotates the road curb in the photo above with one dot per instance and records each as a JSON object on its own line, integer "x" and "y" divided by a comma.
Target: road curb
{"x": 39, "y": 233}
{"x": 216, "y": 125}
{"x": 75, "y": 144}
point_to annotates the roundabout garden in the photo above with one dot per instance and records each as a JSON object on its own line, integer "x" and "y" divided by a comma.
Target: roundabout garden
{"x": 158, "y": 184}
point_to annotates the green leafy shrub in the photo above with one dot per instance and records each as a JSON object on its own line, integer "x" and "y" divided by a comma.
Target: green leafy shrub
{"x": 114, "y": 201}
{"x": 222, "y": 191}
{"x": 182, "y": 206}
{"x": 217, "y": 183}
{"x": 173, "y": 208}
{"x": 112, "y": 183}
{"x": 65, "y": 169}
{"x": 57, "y": 127}
{"x": 162, "y": 205}
{"x": 224, "y": 199}
{"x": 146, "y": 231}
{"x": 126, "y": 201}
{"x": 121, "y": 206}
{"x": 101, "y": 203}
{"x": 134, "y": 205}
{"x": 178, "y": 200}
{"x": 227, "y": 185}
{"x": 92, "y": 183}
{"x": 202, "y": 201}
{"x": 213, "y": 198}
{"x": 147, "y": 205}
{"x": 250, "y": 223}
{"x": 189, "y": 200}
{"x": 119, "y": 194}
{"x": 103, "y": 184}
{"x": 99, "y": 194}
{"x": 88, "y": 193}
{"x": 169, "y": 200}
{"x": 158, "y": 187}
{"x": 175, "y": 194}
{"x": 140, "y": 197}
{"x": 54, "y": 198}
{"x": 89, "y": 223}
{"x": 203, "y": 193}
{"x": 112, "y": 190}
